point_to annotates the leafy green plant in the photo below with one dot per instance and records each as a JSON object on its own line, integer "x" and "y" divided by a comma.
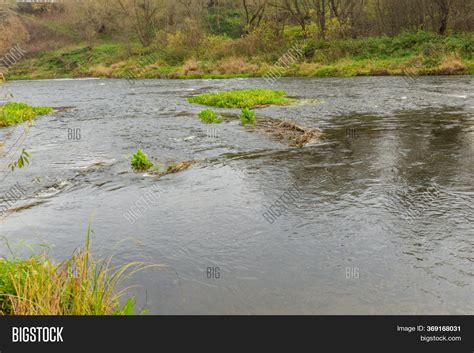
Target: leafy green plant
{"x": 244, "y": 98}
{"x": 16, "y": 113}
{"x": 127, "y": 309}
{"x": 21, "y": 162}
{"x": 208, "y": 116}
{"x": 247, "y": 117}
{"x": 140, "y": 161}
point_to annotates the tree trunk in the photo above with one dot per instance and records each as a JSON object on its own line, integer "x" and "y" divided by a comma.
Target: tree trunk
{"x": 444, "y": 8}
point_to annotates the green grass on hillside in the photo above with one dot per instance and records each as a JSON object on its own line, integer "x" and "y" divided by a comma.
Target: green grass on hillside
{"x": 422, "y": 53}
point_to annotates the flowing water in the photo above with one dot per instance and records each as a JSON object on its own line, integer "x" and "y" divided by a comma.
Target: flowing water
{"x": 383, "y": 223}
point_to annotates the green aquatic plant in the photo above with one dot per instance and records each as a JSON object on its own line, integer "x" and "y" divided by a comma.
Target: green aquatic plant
{"x": 140, "y": 161}
{"x": 247, "y": 117}
{"x": 208, "y": 116}
{"x": 243, "y": 98}
{"x": 17, "y": 113}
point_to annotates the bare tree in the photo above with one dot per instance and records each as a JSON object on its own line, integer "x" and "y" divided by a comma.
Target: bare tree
{"x": 320, "y": 6}
{"x": 444, "y": 7}
{"x": 143, "y": 16}
{"x": 254, "y": 10}
{"x": 298, "y": 10}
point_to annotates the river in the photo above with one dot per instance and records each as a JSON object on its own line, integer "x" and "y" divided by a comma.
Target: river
{"x": 383, "y": 223}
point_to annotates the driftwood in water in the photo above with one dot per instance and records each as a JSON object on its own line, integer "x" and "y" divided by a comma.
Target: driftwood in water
{"x": 287, "y": 131}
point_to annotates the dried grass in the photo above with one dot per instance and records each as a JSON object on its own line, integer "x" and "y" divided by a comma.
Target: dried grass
{"x": 288, "y": 132}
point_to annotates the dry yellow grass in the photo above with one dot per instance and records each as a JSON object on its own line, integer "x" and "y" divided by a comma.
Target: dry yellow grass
{"x": 178, "y": 167}
{"x": 451, "y": 65}
{"x": 101, "y": 71}
{"x": 13, "y": 32}
{"x": 191, "y": 66}
{"x": 307, "y": 69}
{"x": 287, "y": 131}
{"x": 235, "y": 65}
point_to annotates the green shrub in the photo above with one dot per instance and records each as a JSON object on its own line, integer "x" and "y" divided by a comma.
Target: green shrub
{"x": 227, "y": 22}
{"x": 184, "y": 43}
{"x": 384, "y": 47}
{"x": 467, "y": 48}
{"x": 243, "y": 98}
{"x": 140, "y": 161}
{"x": 433, "y": 54}
{"x": 247, "y": 117}
{"x": 208, "y": 116}
{"x": 16, "y": 113}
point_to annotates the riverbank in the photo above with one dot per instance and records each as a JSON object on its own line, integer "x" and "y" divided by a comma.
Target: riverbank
{"x": 412, "y": 54}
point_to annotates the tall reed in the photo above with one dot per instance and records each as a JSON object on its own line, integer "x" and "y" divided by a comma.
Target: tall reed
{"x": 77, "y": 286}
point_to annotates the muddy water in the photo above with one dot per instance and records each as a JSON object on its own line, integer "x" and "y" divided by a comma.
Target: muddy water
{"x": 383, "y": 223}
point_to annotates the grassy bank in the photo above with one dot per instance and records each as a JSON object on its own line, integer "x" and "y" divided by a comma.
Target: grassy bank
{"x": 421, "y": 53}
{"x": 77, "y": 286}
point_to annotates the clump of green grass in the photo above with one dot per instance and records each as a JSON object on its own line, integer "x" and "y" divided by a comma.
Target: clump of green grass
{"x": 140, "y": 161}
{"x": 247, "y": 117}
{"x": 243, "y": 98}
{"x": 77, "y": 286}
{"x": 16, "y": 113}
{"x": 208, "y": 116}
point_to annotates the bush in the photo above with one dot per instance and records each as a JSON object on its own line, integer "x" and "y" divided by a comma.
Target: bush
{"x": 208, "y": 116}
{"x": 263, "y": 42}
{"x": 248, "y": 117}
{"x": 228, "y": 23}
{"x": 185, "y": 43}
{"x": 140, "y": 161}
{"x": 467, "y": 47}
